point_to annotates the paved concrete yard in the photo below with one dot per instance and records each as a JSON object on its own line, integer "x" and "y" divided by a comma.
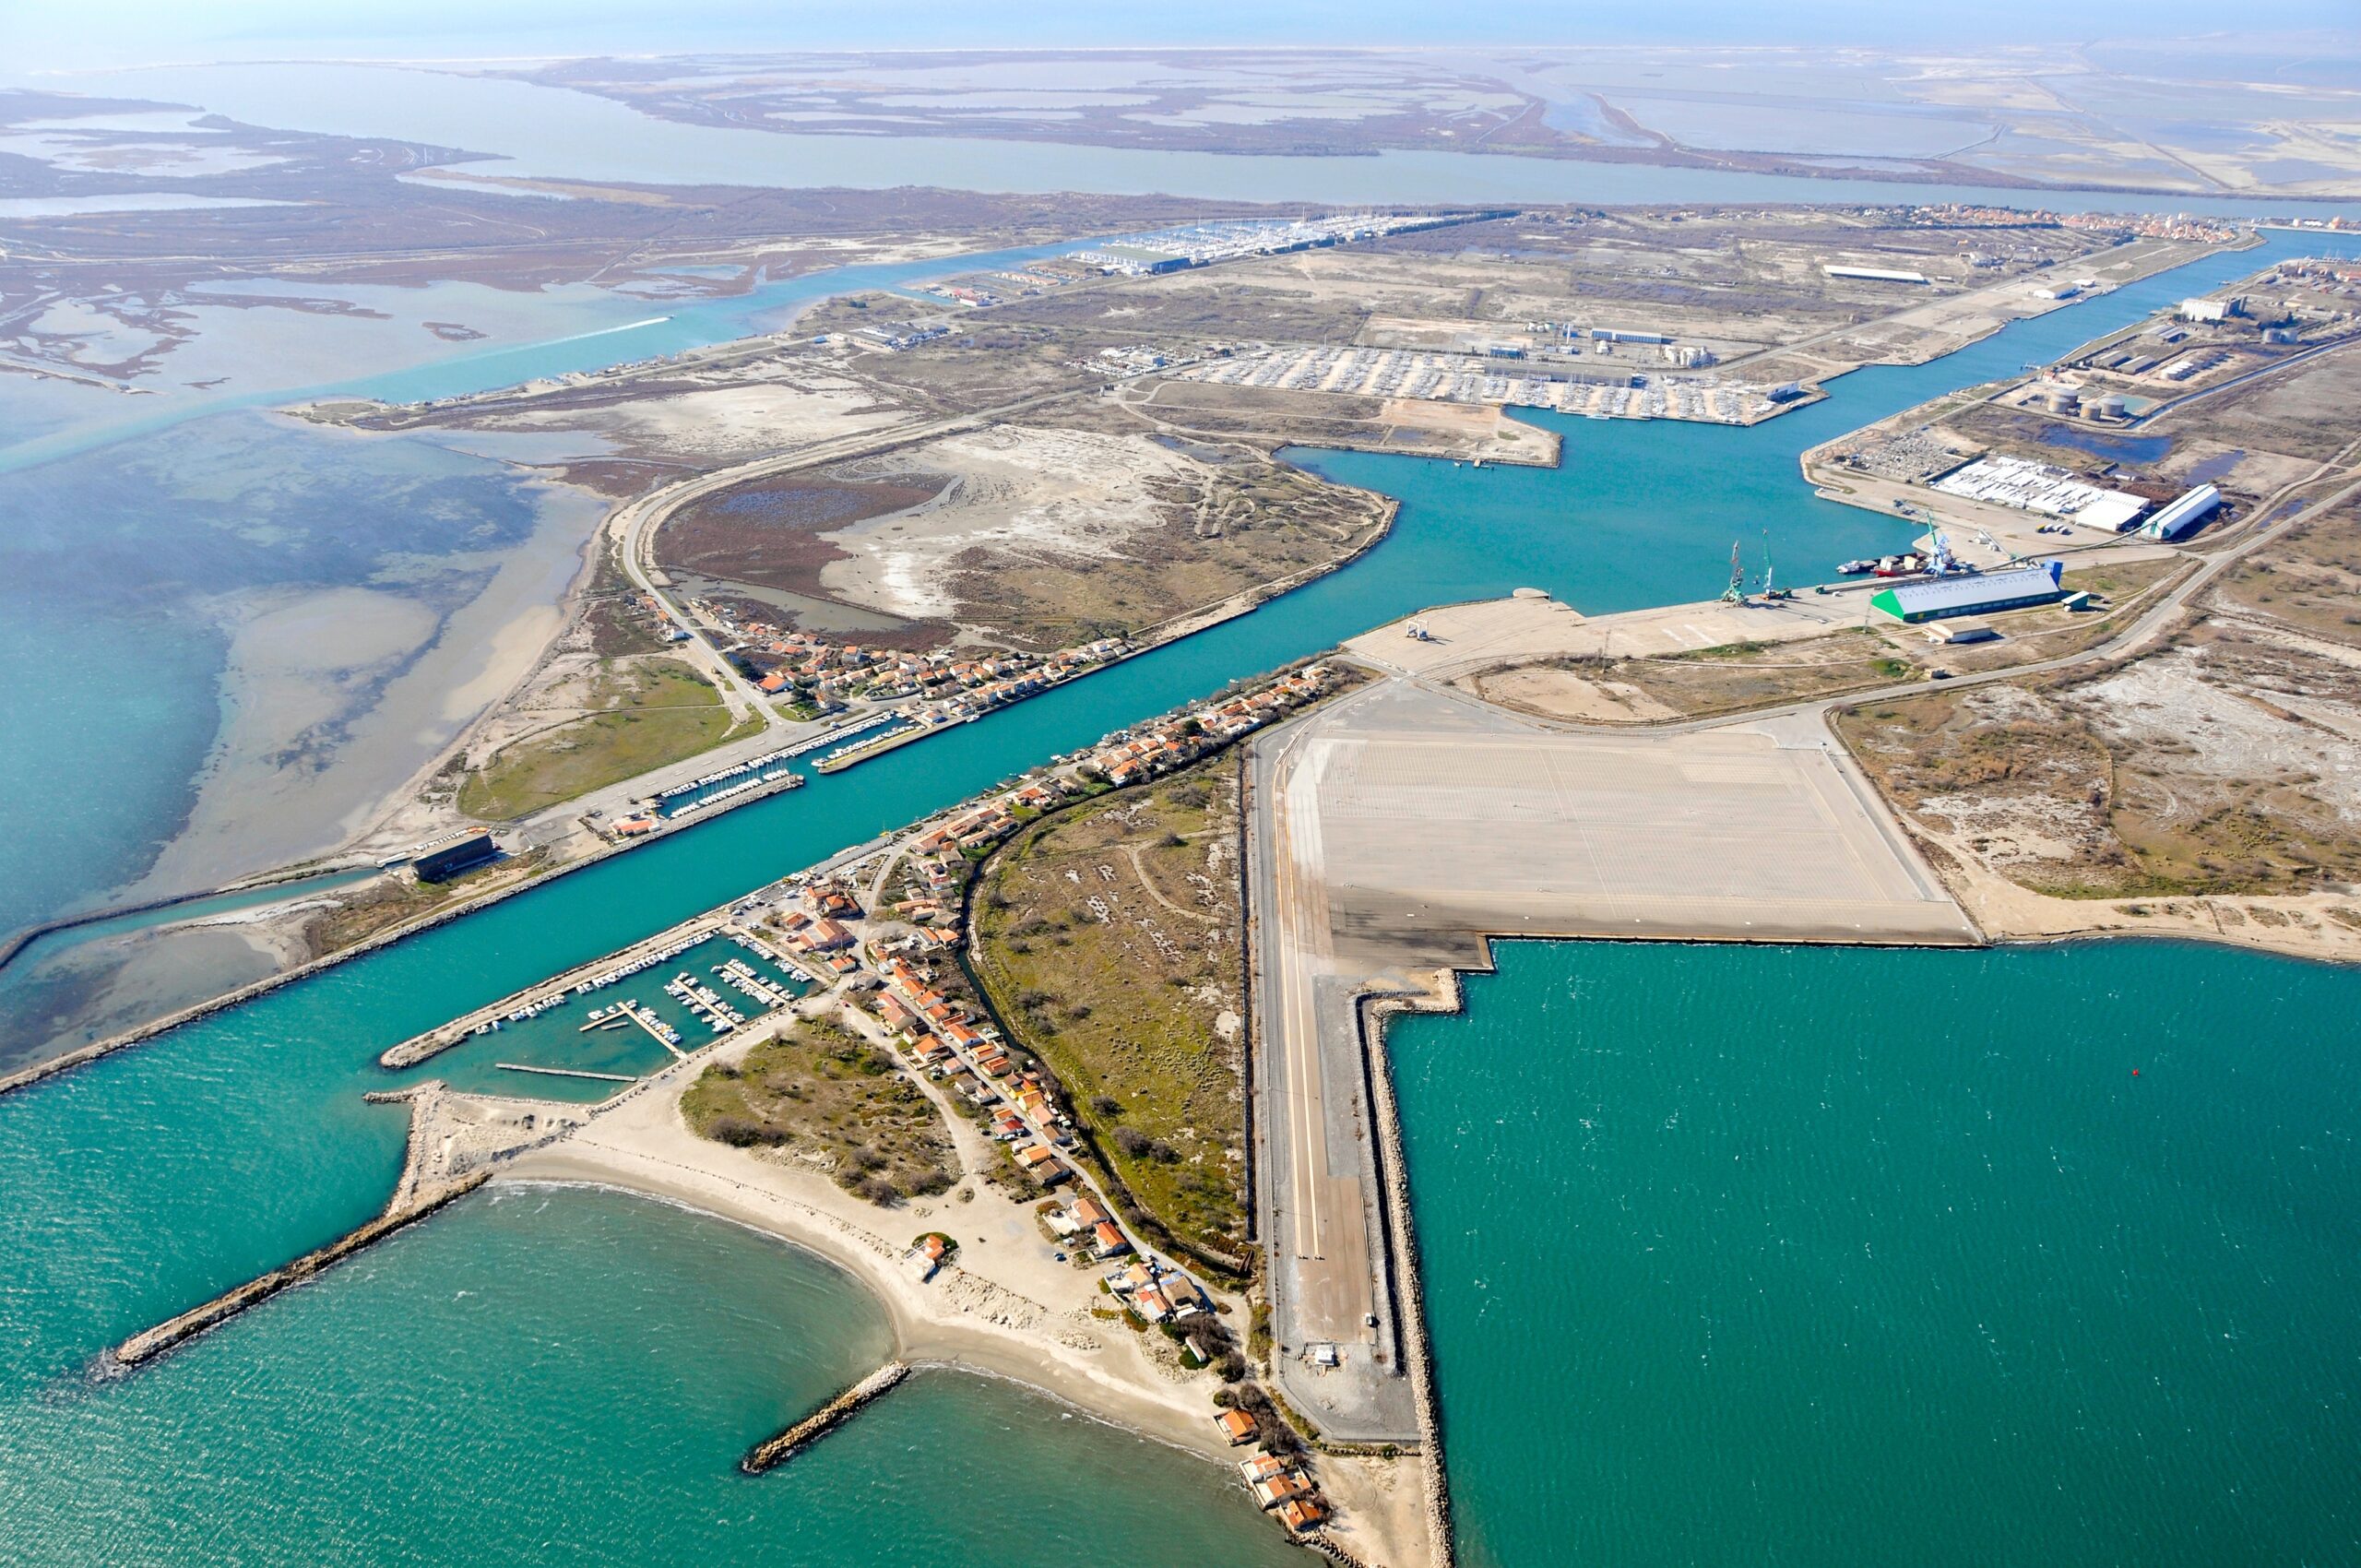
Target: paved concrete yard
{"x": 1393, "y": 832}
{"x": 1530, "y": 625}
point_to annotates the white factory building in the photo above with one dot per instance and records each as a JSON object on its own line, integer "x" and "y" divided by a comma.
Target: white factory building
{"x": 2184, "y": 514}
{"x": 2037, "y": 487}
{"x": 1875, "y": 274}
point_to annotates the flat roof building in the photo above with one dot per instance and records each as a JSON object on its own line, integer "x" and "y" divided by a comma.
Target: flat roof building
{"x": 441, "y": 865}
{"x": 1981, "y": 594}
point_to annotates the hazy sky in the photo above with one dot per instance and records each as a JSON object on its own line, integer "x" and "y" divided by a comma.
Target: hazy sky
{"x": 50, "y": 34}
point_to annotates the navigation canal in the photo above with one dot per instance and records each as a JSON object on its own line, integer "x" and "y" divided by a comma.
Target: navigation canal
{"x": 163, "y": 1174}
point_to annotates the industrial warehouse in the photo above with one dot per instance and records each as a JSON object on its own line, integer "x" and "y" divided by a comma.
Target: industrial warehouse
{"x": 1983, "y": 593}
{"x": 2038, "y": 487}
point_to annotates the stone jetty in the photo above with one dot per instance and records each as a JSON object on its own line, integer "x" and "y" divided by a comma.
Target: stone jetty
{"x": 146, "y": 1347}
{"x": 830, "y": 1416}
{"x": 455, "y": 1142}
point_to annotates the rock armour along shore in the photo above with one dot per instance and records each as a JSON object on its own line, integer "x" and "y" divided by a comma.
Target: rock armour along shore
{"x": 1411, "y": 1289}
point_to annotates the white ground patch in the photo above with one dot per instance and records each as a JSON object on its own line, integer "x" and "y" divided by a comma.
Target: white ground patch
{"x": 2214, "y": 733}
{"x": 725, "y": 422}
{"x": 1016, "y": 493}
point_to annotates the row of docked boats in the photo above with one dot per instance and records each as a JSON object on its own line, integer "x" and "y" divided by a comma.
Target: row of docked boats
{"x": 842, "y": 732}
{"x": 760, "y": 782}
{"x": 663, "y": 955}
{"x": 704, "y": 1001}
{"x": 1903, "y": 566}
{"x": 744, "y": 977}
{"x": 753, "y": 765}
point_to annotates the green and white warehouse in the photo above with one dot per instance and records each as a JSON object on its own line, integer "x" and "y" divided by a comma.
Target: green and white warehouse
{"x": 1979, "y": 594}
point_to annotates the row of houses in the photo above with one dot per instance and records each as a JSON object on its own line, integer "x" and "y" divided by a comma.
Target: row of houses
{"x": 1279, "y": 1486}
{"x": 834, "y": 673}
{"x": 1160, "y": 747}
{"x": 812, "y": 928}
{"x": 943, "y": 1034}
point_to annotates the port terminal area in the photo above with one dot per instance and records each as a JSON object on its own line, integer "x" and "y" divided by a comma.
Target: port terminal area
{"x": 617, "y": 1018}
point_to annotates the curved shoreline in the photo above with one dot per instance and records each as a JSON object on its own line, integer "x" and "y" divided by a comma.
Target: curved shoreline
{"x": 285, "y": 876}
{"x": 925, "y": 1332}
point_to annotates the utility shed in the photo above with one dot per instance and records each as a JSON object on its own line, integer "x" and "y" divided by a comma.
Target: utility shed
{"x": 1978, "y": 595}
{"x": 448, "y": 861}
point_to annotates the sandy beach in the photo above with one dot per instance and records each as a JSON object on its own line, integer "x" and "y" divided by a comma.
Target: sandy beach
{"x": 1006, "y": 1308}
{"x": 2307, "y": 925}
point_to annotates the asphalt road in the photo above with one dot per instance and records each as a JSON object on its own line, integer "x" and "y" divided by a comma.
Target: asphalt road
{"x": 1330, "y": 1277}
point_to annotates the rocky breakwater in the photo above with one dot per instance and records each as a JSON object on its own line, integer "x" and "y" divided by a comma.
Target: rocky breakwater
{"x": 1418, "y": 1350}
{"x": 147, "y": 1346}
{"x": 454, "y": 1140}
{"x": 825, "y": 1419}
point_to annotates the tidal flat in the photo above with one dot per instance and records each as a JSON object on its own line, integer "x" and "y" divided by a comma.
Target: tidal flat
{"x": 243, "y": 631}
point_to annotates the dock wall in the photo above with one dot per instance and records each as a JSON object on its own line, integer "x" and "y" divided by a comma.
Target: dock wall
{"x": 777, "y": 1450}
{"x": 1410, "y": 1297}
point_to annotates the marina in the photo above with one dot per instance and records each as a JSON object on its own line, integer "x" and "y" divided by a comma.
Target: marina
{"x": 737, "y": 786}
{"x": 698, "y": 983}
{"x": 841, "y": 733}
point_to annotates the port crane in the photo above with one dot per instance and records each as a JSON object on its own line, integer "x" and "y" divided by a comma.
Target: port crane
{"x": 1769, "y": 591}
{"x": 1736, "y": 592}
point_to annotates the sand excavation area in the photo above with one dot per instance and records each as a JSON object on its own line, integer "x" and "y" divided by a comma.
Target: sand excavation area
{"x": 1014, "y": 535}
{"x": 699, "y": 416}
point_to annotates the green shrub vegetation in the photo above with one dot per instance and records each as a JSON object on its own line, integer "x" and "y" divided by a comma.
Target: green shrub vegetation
{"x": 822, "y": 1093}
{"x": 645, "y": 713}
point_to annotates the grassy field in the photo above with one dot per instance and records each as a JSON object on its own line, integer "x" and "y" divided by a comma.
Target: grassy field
{"x": 821, "y": 1095}
{"x": 644, "y": 714}
{"x": 1109, "y": 939}
{"x": 2311, "y": 578}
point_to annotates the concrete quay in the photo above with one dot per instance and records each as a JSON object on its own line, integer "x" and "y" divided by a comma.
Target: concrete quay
{"x": 1393, "y": 836}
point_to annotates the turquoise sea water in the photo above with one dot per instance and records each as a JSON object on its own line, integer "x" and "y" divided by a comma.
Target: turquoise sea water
{"x": 154, "y": 1178}
{"x": 1860, "y": 1257}
{"x": 563, "y": 1377}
